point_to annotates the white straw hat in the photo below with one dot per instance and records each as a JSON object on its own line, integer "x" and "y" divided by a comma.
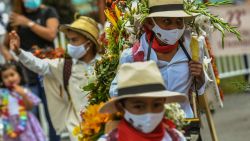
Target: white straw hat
{"x": 167, "y": 8}
{"x": 141, "y": 79}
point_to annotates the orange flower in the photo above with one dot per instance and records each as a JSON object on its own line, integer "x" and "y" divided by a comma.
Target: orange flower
{"x": 92, "y": 122}
{"x": 110, "y": 17}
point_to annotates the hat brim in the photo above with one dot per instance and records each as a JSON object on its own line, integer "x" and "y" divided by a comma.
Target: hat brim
{"x": 177, "y": 13}
{"x": 171, "y": 97}
{"x": 65, "y": 28}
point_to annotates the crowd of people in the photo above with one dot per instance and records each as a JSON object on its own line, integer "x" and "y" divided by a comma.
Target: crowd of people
{"x": 139, "y": 90}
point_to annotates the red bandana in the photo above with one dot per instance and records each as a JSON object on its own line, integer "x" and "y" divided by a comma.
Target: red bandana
{"x": 127, "y": 133}
{"x": 157, "y": 47}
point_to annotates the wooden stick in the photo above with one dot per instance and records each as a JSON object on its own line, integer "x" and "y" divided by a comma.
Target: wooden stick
{"x": 204, "y": 104}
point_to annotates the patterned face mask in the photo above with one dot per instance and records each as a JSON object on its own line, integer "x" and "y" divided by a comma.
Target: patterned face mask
{"x": 169, "y": 37}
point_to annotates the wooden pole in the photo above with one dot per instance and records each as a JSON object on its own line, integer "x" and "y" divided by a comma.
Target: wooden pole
{"x": 204, "y": 105}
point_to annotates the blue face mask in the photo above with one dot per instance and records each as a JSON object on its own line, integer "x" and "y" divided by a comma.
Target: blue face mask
{"x": 79, "y": 1}
{"x": 32, "y": 4}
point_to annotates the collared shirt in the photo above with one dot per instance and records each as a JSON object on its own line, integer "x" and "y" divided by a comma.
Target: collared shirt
{"x": 61, "y": 109}
{"x": 175, "y": 73}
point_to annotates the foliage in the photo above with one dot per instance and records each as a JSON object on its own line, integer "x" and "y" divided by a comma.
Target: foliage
{"x": 195, "y": 7}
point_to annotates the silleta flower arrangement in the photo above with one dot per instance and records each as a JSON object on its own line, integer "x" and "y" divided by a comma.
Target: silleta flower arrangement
{"x": 123, "y": 28}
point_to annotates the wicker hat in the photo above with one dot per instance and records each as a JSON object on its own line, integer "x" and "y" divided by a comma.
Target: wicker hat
{"x": 167, "y": 8}
{"x": 141, "y": 79}
{"x": 85, "y": 26}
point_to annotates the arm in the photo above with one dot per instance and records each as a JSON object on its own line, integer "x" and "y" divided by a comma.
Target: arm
{"x": 28, "y": 59}
{"x": 48, "y": 32}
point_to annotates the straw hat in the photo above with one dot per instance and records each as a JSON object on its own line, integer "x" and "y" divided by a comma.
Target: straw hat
{"x": 141, "y": 79}
{"x": 85, "y": 26}
{"x": 167, "y": 8}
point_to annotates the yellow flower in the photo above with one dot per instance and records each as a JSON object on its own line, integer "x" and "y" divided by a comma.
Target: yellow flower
{"x": 117, "y": 12}
{"x": 92, "y": 122}
{"x": 76, "y": 130}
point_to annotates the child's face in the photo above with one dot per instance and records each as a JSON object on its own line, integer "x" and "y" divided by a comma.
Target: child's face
{"x": 140, "y": 106}
{"x": 10, "y": 77}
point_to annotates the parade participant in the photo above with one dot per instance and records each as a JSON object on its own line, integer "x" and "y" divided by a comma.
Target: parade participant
{"x": 16, "y": 101}
{"x": 141, "y": 102}
{"x": 63, "y": 78}
{"x": 165, "y": 43}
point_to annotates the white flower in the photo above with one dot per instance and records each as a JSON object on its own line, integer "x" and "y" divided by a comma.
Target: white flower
{"x": 134, "y": 5}
{"x": 204, "y": 25}
{"x": 175, "y": 113}
{"x": 129, "y": 28}
{"x": 107, "y": 25}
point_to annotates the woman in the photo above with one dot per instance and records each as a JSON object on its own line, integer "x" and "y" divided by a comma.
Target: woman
{"x": 141, "y": 101}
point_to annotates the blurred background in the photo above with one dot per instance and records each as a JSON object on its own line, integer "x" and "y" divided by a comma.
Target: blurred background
{"x": 233, "y": 61}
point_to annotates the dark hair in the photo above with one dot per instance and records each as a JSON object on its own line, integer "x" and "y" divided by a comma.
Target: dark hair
{"x": 11, "y": 65}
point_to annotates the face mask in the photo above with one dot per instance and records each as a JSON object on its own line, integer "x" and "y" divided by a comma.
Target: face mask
{"x": 77, "y": 52}
{"x": 169, "y": 37}
{"x": 32, "y": 4}
{"x": 78, "y": 1}
{"x": 145, "y": 123}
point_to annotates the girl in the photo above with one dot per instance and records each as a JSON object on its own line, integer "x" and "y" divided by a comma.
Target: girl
{"x": 16, "y": 101}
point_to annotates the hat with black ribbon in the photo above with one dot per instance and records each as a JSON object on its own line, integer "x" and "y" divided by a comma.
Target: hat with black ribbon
{"x": 167, "y": 8}
{"x": 140, "y": 79}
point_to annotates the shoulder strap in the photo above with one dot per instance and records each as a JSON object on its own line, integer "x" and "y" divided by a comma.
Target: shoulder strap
{"x": 185, "y": 50}
{"x": 67, "y": 68}
{"x": 150, "y": 46}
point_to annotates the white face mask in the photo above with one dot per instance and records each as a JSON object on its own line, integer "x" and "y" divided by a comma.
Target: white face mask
{"x": 169, "y": 37}
{"x": 145, "y": 123}
{"x": 77, "y": 52}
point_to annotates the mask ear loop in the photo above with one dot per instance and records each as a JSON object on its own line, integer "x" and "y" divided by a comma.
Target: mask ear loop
{"x": 85, "y": 44}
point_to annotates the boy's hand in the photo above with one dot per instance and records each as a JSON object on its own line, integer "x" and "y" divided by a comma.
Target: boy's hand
{"x": 196, "y": 70}
{"x": 14, "y": 42}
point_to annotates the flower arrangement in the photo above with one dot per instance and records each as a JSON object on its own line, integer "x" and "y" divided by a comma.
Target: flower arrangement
{"x": 93, "y": 123}
{"x": 176, "y": 115}
{"x": 124, "y": 27}
{"x": 122, "y": 30}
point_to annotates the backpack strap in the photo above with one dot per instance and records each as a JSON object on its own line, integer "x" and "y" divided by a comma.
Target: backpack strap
{"x": 67, "y": 68}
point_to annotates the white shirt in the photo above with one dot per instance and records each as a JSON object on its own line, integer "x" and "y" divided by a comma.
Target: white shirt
{"x": 175, "y": 73}
{"x": 60, "y": 108}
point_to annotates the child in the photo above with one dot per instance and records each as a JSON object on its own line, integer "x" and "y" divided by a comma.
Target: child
{"x": 16, "y": 101}
{"x": 142, "y": 103}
